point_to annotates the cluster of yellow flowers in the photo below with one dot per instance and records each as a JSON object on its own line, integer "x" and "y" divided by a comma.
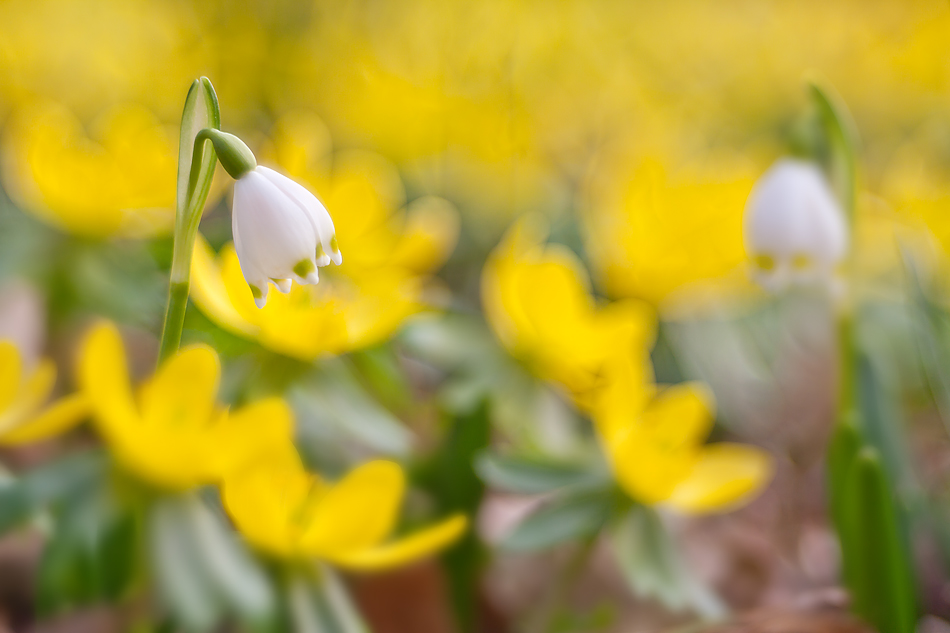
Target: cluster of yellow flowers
{"x": 538, "y": 301}
{"x": 173, "y": 435}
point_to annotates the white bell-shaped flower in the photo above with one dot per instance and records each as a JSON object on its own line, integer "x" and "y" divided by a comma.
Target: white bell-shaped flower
{"x": 795, "y": 230}
{"x": 282, "y": 232}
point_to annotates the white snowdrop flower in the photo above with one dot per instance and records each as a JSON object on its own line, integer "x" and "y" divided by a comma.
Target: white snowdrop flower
{"x": 282, "y": 232}
{"x": 794, "y": 229}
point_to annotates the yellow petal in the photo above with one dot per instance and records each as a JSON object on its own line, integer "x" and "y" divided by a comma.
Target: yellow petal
{"x": 103, "y": 377}
{"x": 31, "y": 396}
{"x": 55, "y": 419}
{"x": 181, "y": 394}
{"x": 253, "y": 430}
{"x": 10, "y": 373}
{"x": 652, "y": 455}
{"x": 211, "y": 293}
{"x": 266, "y": 499}
{"x": 406, "y": 550}
{"x": 725, "y": 476}
{"x": 357, "y": 512}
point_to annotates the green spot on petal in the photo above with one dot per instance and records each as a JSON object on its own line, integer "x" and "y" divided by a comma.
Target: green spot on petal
{"x": 303, "y": 268}
{"x": 256, "y": 292}
{"x": 333, "y": 244}
{"x": 320, "y": 251}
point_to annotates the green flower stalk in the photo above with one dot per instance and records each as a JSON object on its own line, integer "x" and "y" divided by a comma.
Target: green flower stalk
{"x": 196, "y": 164}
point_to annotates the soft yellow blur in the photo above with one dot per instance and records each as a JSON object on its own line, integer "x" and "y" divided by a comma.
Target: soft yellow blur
{"x": 389, "y": 249}
{"x": 538, "y": 301}
{"x": 25, "y": 414}
{"x": 171, "y": 432}
{"x": 286, "y": 511}
{"x": 118, "y": 183}
{"x": 652, "y": 233}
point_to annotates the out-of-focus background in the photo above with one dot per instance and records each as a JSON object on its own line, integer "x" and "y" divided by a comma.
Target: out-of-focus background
{"x": 633, "y": 133}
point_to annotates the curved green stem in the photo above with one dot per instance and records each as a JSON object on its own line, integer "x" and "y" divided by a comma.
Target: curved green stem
{"x": 195, "y": 170}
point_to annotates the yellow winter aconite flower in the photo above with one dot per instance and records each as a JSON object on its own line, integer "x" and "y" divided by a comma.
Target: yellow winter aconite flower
{"x": 389, "y": 248}
{"x": 24, "y": 415}
{"x": 286, "y": 511}
{"x": 651, "y": 233}
{"x": 538, "y": 301}
{"x": 174, "y": 435}
{"x": 654, "y": 443}
{"x": 118, "y": 183}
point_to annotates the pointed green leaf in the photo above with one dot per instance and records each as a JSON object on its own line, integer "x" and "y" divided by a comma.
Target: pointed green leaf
{"x": 183, "y": 588}
{"x": 566, "y": 518}
{"x": 881, "y": 583}
{"x": 841, "y": 134}
{"x": 531, "y": 476}
{"x": 200, "y": 112}
{"x": 651, "y": 565}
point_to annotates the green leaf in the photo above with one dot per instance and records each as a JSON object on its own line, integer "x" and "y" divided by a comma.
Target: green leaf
{"x": 318, "y": 603}
{"x": 182, "y": 585}
{"x": 532, "y": 476}
{"x": 568, "y": 517}
{"x": 450, "y": 478}
{"x": 21, "y": 499}
{"x": 201, "y": 111}
{"x": 236, "y": 577}
{"x": 334, "y": 408}
{"x": 842, "y": 137}
{"x": 91, "y": 555}
{"x": 203, "y": 571}
{"x": 882, "y": 588}
{"x": 651, "y": 565}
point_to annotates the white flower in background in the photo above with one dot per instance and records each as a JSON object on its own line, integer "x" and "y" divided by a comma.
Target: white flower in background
{"x": 282, "y": 232}
{"x": 795, "y": 229}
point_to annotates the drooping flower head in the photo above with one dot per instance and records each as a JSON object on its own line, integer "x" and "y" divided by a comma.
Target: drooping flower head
{"x": 795, "y": 229}
{"x": 282, "y": 232}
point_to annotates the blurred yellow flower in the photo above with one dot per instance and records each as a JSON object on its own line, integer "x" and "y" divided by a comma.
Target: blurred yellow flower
{"x": 290, "y": 513}
{"x": 651, "y": 234}
{"x": 538, "y": 301}
{"x": 389, "y": 251}
{"x": 119, "y": 183}
{"x": 24, "y": 415}
{"x": 174, "y": 435}
{"x": 654, "y": 443}
{"x": 335, "y": 316}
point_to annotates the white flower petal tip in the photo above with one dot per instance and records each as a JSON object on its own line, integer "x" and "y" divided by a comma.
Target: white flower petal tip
{"x": 282, "y": 232}
{"x": 795, "y": 230}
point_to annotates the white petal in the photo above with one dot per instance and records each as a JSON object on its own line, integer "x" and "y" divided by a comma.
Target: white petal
{"x": 282, "y": 285}
{"x": 275, "y": 233}
{"x": 317, "y": 213}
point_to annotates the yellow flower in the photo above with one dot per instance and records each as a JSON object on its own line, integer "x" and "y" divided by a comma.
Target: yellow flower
{"x": 650, "y": 234}
{"x": 537, "y": 300}
{"x": 290, "y": 513}
{"x": 389, "y": 251}
{"x": 654, "y": 443}
{"x": 174, "y": 435}
{"x": 24, "y": 415}
{"x": 119, "y": 184}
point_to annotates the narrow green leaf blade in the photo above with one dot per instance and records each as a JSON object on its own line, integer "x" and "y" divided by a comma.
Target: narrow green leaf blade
{"x": 652, "y": 567}
{"x": 530, "y": 476}
{"x": 200, "y": 112}
{"x": 566, "y": 518}
{"x": 882, "y": 585}
{"x": 842, "y": 137}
